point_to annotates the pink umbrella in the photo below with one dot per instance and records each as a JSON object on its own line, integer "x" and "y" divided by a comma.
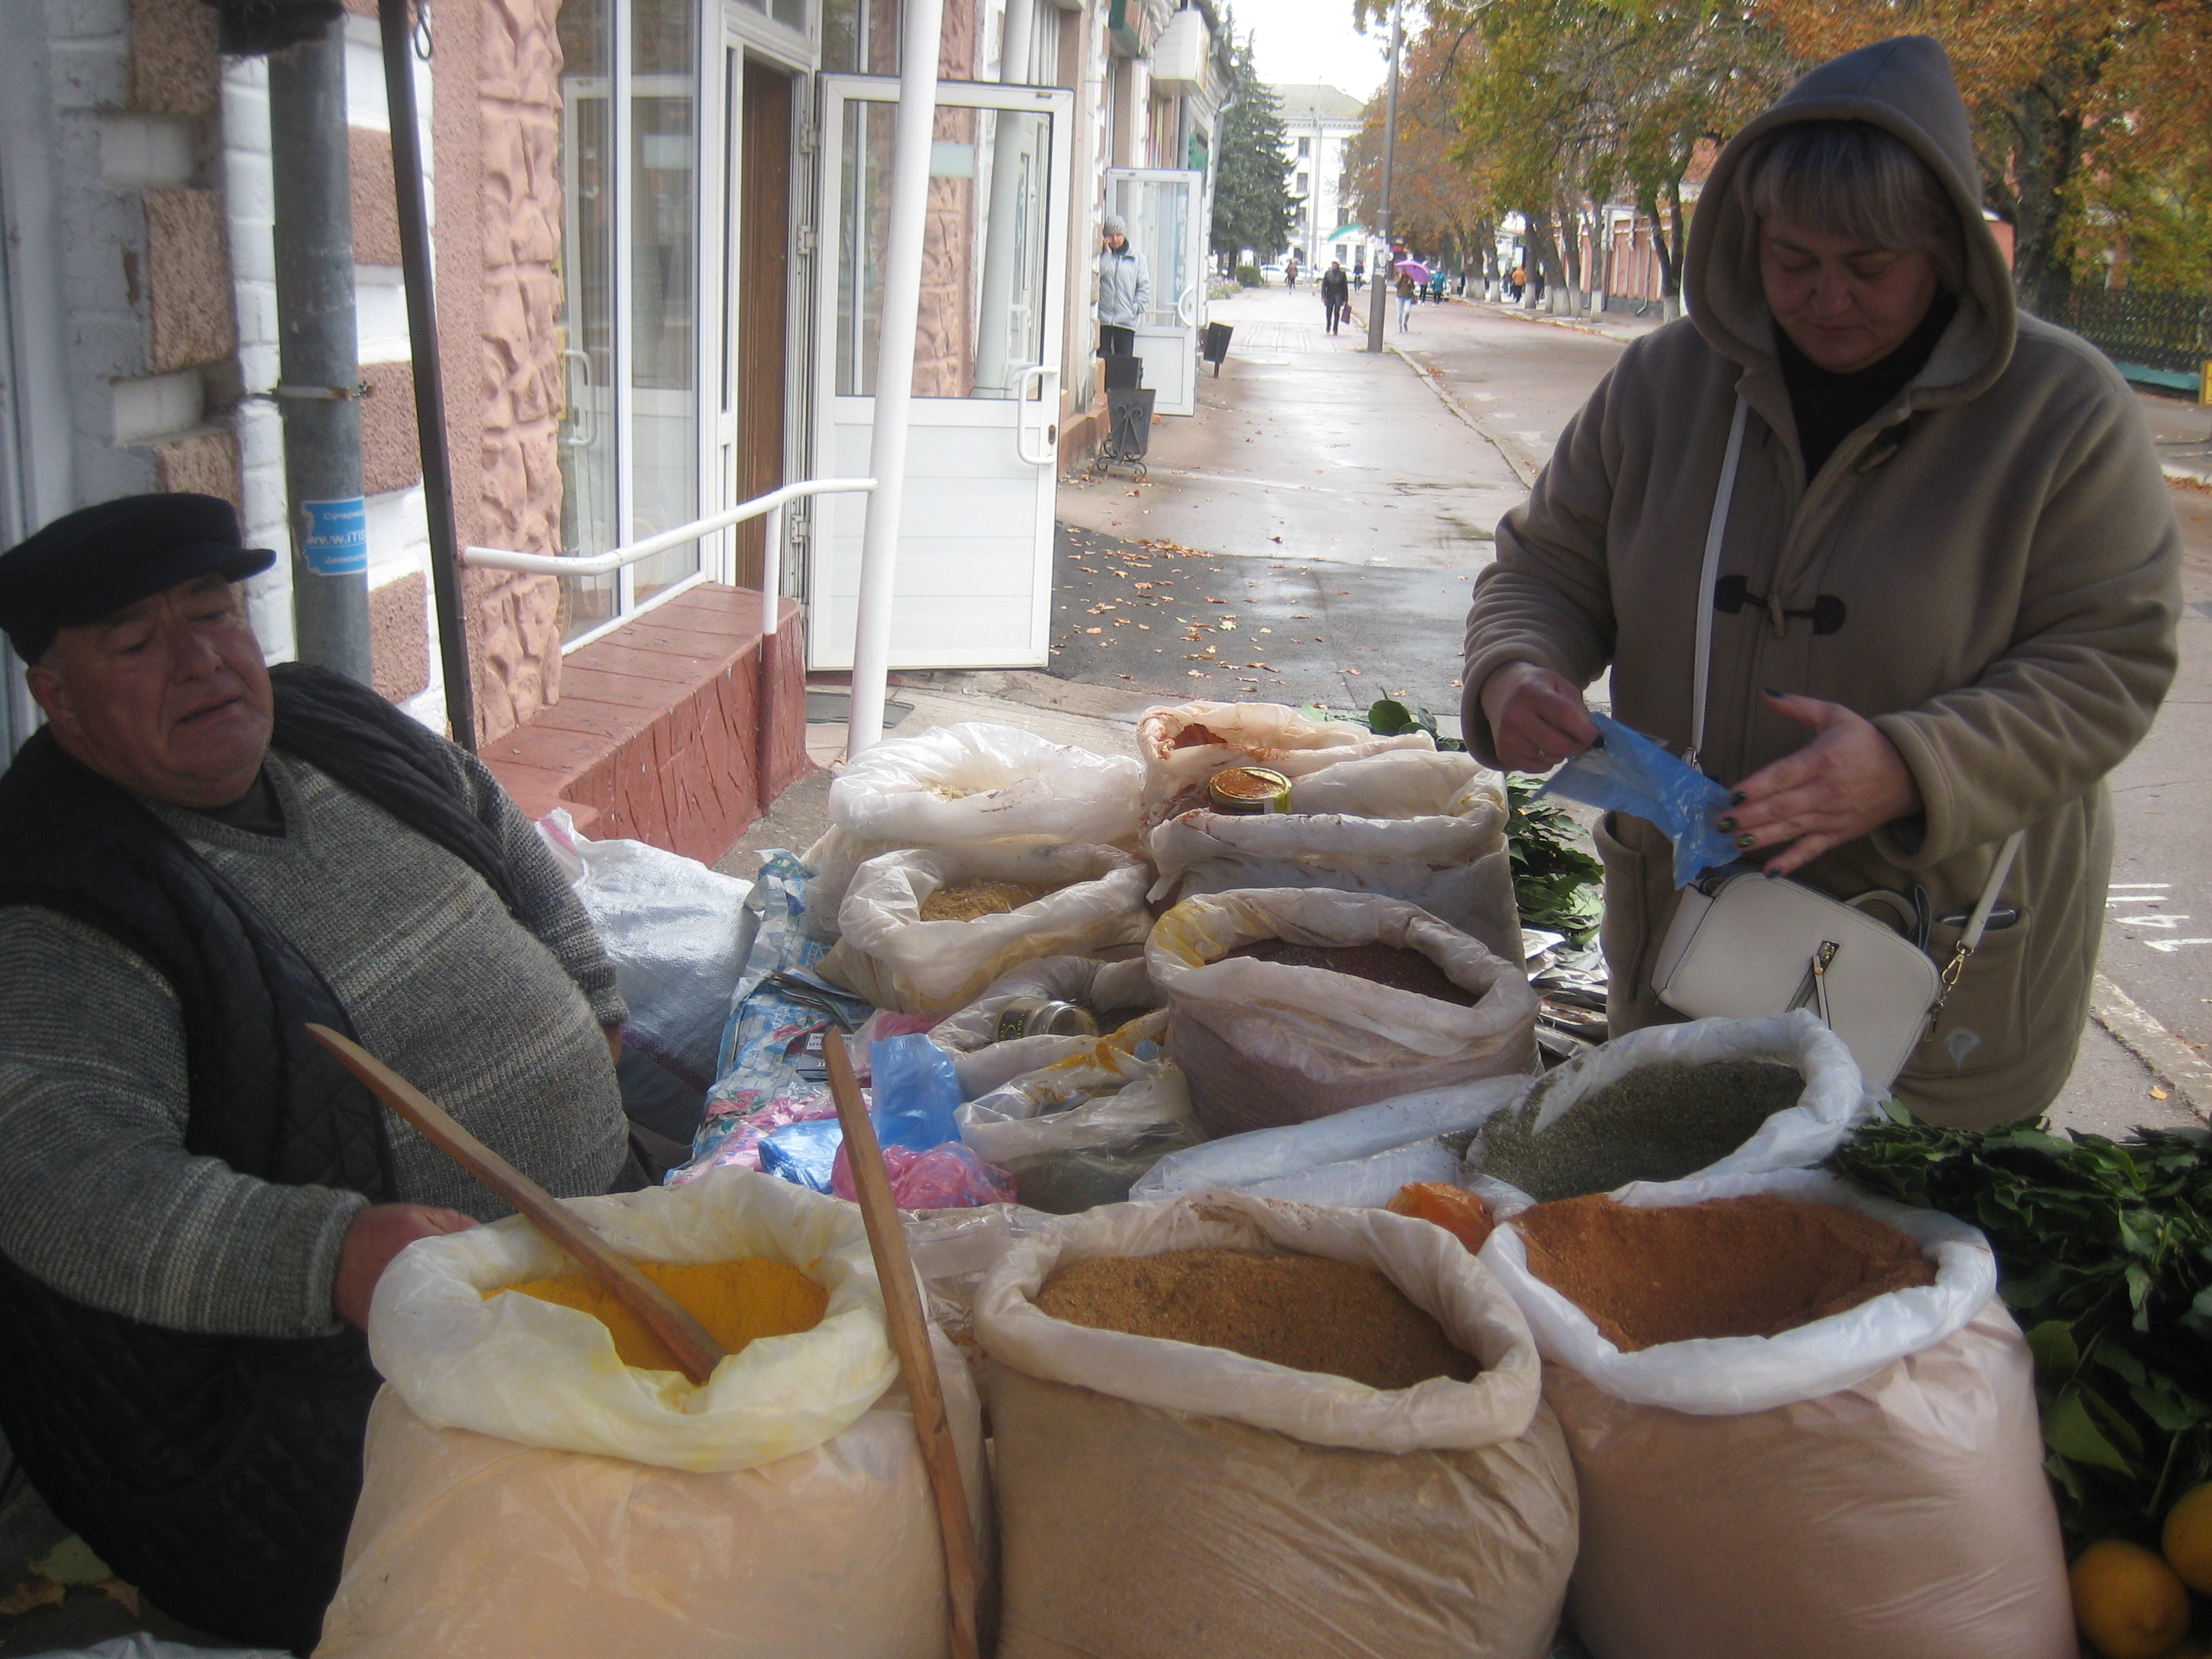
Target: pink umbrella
{"x": 1413, "y": 268}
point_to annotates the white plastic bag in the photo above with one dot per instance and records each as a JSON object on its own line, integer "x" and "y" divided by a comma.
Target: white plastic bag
{"x": 1183, "y": 746}
{"x": 1834, "y": 1102}
{"x": 1870, "y": 1483}
{"x": 1160, "y": 1500}
{"x": 953, "y": 785}
{"x": 1110, "y": 1089}
{"x": 1268, "y": 1155}
{"x": 1264, "y": 1044}
{"x": 677, "y": 933}
{"x": 1101, "y": 987}
{"x": 529, "y": 1371}
{"x": 891, "y": 955}
{"x": 1363, "y": 1184}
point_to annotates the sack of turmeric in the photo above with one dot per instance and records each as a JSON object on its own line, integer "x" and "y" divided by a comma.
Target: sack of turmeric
{"x": 537, "y": 1480}
{"x": 1184, "y": 1497}
{"x": 1866, "y": 1479}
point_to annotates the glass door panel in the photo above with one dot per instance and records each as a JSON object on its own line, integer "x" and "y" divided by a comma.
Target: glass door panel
{"x": 664, "y": 221}
{"x": 587, "y": 434}
{"x": 1161, "y": 207}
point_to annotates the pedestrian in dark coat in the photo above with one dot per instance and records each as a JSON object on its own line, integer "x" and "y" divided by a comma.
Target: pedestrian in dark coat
{"x": 1335, "y": 296}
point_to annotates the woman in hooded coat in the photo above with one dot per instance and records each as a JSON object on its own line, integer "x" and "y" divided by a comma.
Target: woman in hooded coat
{"x": 1948, "y": 579}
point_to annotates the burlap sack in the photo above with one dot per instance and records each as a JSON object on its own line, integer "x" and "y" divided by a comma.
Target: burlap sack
{"x": 1186, "y": 1503}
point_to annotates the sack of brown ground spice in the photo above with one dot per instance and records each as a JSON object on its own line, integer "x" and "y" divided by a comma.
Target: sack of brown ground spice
{"x": 1867, "y": 1482}
{"x": 1167, "y": 1498}
{"x": 1291, "y": 1003}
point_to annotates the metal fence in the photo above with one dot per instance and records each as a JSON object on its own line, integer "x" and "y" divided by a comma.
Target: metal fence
{"x": 2139, "y": 328}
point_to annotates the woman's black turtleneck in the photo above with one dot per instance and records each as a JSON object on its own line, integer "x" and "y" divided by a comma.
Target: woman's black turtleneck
{"x": 1829, "y": 407}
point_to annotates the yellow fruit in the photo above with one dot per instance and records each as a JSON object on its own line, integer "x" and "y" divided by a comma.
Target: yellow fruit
{"x": 2127, "y": 1601}
{"x": 2188, "y": 1538}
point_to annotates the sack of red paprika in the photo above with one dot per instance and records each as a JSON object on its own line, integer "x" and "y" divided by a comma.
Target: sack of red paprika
{"x": 1867, "y": 1483}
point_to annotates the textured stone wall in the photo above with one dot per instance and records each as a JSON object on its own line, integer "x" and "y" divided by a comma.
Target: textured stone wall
{"x": 496, "y": 124}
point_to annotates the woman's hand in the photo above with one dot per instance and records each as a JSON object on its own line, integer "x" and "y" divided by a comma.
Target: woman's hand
{"x": 1536, "y": 717}
{"x": 1848, "y": 780}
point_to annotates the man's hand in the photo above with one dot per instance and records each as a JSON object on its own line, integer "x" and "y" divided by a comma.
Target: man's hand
{"x": 1536, "y": 717}
{"x": 1848, "y": 780}
{"x": 378, "y": 1234}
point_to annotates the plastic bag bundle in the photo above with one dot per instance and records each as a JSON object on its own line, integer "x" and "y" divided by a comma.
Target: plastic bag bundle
{"x": 1410, "y": 823}
{"x": 1870, "y": 1483}
{"x": 1670, "y": 1115}
{"x": 954, "y": 785}
{"x": 889, "y": 955}
{"x": 1183, "y": 746}
{"x": 526, "y": 1493}
{"x": 984, "y": 1062}
{"x": 1159, "y": 1500}
{"x": 1111, "y": 1089}
{"x": 1626, "y": 772}
{"x": 1264, "y": 1044}
{"x": 677, "y": 933}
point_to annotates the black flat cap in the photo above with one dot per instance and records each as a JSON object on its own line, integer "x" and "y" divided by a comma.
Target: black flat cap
{"x": 90, "y": 563}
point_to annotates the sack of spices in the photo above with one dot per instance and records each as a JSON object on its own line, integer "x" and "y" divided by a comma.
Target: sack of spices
{"x": 974, "y": 781}
{"x": 926, "y": 931}
{"x": 537, "y": 1482}
{"x": 1410, "y": 823}
{"x": 1183, "y": 746}
{"x": 1267, "y": 1035}
{"x": 1711, "y": 1097}
{"x": 1776, "y": 1455}
{"x": 1174, "y": 1496}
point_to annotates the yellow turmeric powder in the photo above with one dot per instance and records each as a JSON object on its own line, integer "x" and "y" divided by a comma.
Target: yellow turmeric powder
{"x": 736, "y": 1301}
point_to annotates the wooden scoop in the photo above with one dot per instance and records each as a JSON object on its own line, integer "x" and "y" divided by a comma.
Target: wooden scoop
{"x": 697, "y": 1351}
{"x": 910, "y": 1333}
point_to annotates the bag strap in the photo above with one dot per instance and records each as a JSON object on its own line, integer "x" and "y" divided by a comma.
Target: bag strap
{"x": 1970, "y": 940}
{"x": 1702, "y": 671}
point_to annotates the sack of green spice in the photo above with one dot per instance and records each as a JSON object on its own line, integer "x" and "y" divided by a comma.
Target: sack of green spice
{"x": 1715, "y": 1096}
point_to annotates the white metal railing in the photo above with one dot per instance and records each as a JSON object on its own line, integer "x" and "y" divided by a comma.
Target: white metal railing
{"x": 602, "y": 564}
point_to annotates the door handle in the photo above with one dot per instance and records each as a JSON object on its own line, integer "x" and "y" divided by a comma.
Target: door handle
{"x": 1182, "y": 306}
{"x": 1048, "y": 399}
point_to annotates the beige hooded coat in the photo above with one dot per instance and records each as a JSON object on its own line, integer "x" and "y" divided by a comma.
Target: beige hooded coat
{"x": 2002, "y": 539}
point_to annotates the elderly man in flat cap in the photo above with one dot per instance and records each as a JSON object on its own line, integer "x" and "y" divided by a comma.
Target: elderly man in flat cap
{"x": 198, "y": 855}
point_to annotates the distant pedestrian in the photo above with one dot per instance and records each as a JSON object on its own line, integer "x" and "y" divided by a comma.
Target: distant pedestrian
{"x": 1335, "y": 296}
{"x": 1409, "y": 295}
{"x": 1516, "y": 281}
{"x": 1124, "y": 289}
{"x": 1360, "y": 270}
{"x": 1290, "y": 271}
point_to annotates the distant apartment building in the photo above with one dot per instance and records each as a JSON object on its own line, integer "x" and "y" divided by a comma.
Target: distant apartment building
{"x": 1319, "y": 124}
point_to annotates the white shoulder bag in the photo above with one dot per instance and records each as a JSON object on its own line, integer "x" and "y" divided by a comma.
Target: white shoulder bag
{"x": 1744, "y": 945}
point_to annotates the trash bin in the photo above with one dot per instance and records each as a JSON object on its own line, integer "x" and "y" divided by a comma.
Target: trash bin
{"x": 1123, "y": 373}
{"x": 1216, "y": 346}
{"x": 1128, "y": 428}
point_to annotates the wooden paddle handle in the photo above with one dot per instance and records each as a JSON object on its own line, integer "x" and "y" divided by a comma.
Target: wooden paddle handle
{"x": 697, "y": 1351}
{"x": 910, "y": 1333}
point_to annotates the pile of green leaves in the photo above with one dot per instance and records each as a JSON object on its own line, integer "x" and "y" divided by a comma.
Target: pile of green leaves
{"x": 1556, "y": 885}
{"x": 2105, "y": 1256}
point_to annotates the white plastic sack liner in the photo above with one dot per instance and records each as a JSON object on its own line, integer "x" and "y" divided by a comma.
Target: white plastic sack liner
{"x": 1871, "y": 1483}
{"x": 1178, "y": 760}
{"x": 1160, "y": 1500}
{"x": 1105, "y": 1091}
{"x": 1265, "y": 1155}
{"x": 891, "y": 955}
{"x": 1101, "y": 987}
{"x": 1730, "y": 1374}
{"x": 527, "y": 1371}
{"x": 1363, "y": 1182}
{"x": 1264, "y": 1044}
{"x": 468, "y": 1546}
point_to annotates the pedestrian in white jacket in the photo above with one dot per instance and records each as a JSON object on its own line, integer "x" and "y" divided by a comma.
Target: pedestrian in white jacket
{"x": 1124, "y": 289}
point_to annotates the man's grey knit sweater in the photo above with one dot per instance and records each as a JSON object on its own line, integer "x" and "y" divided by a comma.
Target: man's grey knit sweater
{"x": 99, "y": 1197}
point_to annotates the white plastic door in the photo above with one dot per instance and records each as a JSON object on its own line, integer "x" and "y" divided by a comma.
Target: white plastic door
{"x": 974, "y": 587}
{"x": 1161, "y": 208}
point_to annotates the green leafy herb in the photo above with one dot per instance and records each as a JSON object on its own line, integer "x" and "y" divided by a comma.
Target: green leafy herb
{"x": 2105, "y": 1256}
{"x": 1556, "y": 885}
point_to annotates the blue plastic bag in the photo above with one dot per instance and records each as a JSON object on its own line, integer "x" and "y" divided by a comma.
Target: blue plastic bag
{"x": 915, "y": 1090}
{"x": 1625, "y": 772}
{"x": 804, "y": 1153}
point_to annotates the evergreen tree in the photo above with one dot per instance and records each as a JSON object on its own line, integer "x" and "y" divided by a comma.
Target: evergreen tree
{"x": 1251, "y": 196}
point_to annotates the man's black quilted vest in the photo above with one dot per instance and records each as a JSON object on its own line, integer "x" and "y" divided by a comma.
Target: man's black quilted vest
{"x": 218, "y": 1474}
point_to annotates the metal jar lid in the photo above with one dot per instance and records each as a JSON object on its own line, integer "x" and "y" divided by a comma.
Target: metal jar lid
{"x": 1249, "y": 789}
{"x": 1028, "y": 1017}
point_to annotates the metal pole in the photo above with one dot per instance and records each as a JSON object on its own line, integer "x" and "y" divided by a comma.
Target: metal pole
{"x": 430, "y": 376}
{"x": 894, "y": 390}
{"x": 1380, "y": 297}
{"x": 318, "y": 353}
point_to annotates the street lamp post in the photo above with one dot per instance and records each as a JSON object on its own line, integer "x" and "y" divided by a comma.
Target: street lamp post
{"x": 1379, "y": 299}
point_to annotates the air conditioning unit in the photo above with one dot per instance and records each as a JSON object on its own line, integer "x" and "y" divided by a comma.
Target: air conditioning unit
{"x": 1179, "y": 55}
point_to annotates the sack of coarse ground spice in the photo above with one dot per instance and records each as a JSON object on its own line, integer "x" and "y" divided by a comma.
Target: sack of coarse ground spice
{"x": 1264, "y": 1044}
{"x": 1183, "y": 746}
{"x": 1161, "y": 1500}
{"x": 1868, "y": 1483}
